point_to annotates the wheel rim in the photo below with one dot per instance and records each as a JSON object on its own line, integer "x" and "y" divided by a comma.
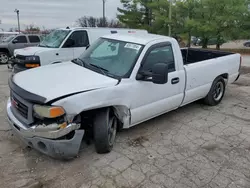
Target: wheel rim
{"x": 218, "y": 91}
{"x": 3, "y": 58}
{"x": 112, "y": 129}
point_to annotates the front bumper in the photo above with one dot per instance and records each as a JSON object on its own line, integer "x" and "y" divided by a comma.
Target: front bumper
{"x": 17, "y": 68}
{"x": 19, "y": 65}
{"x": 50, "y": 142}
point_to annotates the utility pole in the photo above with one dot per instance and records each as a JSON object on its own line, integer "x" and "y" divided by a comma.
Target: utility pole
{"x": 103, "y": 11}
{"x": 170, "y": 17}
{"x": 17, "y": 12}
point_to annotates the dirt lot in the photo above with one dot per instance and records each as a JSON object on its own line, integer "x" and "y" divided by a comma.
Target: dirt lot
{"x": 195, "y": 146}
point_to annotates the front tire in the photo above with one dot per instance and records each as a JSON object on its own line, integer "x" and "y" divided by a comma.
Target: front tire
{"x": 216, "y": 92}
{"x": 105, "y": 129}
{"x": 4, "y": 58}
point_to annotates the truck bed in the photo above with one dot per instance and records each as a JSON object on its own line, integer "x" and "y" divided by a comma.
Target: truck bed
{"x": 194, "y": 55}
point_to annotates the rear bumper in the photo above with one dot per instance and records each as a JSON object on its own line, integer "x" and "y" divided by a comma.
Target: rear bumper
{"x": 50, "y": 143}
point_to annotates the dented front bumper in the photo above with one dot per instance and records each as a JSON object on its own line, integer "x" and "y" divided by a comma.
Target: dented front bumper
{"x": 50, "y": 142}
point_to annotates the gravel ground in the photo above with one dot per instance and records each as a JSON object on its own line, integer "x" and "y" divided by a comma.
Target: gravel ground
{"x": 246, "y": 61}
{"x": 192, "y": 147}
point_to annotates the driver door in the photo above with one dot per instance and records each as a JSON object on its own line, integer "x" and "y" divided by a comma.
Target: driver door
{"x": 151, "y": 100}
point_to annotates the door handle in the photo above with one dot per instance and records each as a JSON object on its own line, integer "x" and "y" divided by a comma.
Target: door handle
{"x": 175, "y": 80}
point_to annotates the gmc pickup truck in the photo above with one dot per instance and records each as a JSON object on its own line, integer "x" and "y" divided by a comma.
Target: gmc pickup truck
{"x": 119, "y": 82}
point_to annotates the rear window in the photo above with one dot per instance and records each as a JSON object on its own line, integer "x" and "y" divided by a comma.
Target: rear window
{"x": 34, "y": 39}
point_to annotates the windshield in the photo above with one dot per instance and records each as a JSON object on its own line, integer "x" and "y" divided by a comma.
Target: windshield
{"x": 8, "y": 39}
{"x": 54, "y": 39}
{"x": 112, "y": 57}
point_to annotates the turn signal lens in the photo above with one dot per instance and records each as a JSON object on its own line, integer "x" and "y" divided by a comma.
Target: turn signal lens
{"x": 56, "y": 112}
{"x": 31, "y": 65}
{"x": 49, "y": 111}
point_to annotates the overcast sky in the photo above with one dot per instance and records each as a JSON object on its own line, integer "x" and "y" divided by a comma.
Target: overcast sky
{"x": 52, "y": 13}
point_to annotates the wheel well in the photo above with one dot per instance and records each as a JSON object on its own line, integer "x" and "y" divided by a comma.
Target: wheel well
{"x": 5, "y": 50}
{"x": 225, "y": 75}
{"x": 120, "y": 111}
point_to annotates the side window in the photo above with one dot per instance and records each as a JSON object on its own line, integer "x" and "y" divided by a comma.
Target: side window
{"x": 163, "y": 54}
{"x": 105, "y": 49}
{"x": 20, "y": 39}
{"x": 34, "y": 39}
{"x": 80, "y": 39}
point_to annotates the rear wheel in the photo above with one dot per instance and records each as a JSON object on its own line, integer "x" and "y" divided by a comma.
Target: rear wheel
{"x": 216, "y": 92}
{"x": 4, "y": 58}
{"x": 105, "y": 128}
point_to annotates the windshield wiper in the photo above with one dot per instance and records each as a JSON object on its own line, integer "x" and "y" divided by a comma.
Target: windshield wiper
{"x": 79, "y": 61}
{"x": 103, "y": 70}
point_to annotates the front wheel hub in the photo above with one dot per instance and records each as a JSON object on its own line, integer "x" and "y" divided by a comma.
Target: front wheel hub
{"x": 112, "y": 129}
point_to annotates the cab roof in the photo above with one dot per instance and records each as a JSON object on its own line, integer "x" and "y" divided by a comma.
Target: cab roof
{"x": 97, "y": 28}
{"x": 142, "y": 39}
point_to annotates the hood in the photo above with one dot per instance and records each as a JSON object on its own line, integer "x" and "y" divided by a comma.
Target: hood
{"x": 58, "y": 80}
{"x": 31, "y": 50}
{"x": 3, "y": 44}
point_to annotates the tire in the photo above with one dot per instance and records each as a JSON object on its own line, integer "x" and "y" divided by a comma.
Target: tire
{"x": 105, "y": 129}
{"x": 4, "y": 58}
{"x": 216, "y": 92}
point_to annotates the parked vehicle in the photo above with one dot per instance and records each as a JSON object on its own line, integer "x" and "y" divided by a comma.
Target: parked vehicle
{"x": 63, "y": 45}
{"x": 195, "y": 40}
{"x": 4, "y": 35}
{"x": 246, "y": 44}
{"x": 8, "y": 45}
{"x": 212, "y": 41}
{"x": 119, "y": 82}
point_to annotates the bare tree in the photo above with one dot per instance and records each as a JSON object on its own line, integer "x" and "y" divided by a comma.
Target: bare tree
{"x": 98, "y": 22}
{"x": 32, "y": 29}
{"x": 82, "y": 22}
{"x": 12, "y": 29}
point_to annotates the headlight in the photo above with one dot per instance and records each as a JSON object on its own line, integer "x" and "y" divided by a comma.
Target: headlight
{"x": 32, "y": 61}
{"x": 49, "y": 111}
{"x": 32, "y": 58}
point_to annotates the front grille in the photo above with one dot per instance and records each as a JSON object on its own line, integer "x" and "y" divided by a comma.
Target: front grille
{"x": 20, "y": 107}
{"x": 21, "y": 57}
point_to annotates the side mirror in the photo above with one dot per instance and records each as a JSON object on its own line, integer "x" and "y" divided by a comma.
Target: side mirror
{"x": 160, "y": 73}
{"x": 14, "y": 41}
{"x": 87, "y": 47}
{"x": 69, "y": 43}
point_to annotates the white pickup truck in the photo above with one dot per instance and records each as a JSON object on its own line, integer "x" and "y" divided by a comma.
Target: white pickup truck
{"x": 62, "y": 44}
{"x": 119, "y": 82}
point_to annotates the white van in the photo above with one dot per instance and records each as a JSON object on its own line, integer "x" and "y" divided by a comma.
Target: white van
{"x": 62, "y": 45}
